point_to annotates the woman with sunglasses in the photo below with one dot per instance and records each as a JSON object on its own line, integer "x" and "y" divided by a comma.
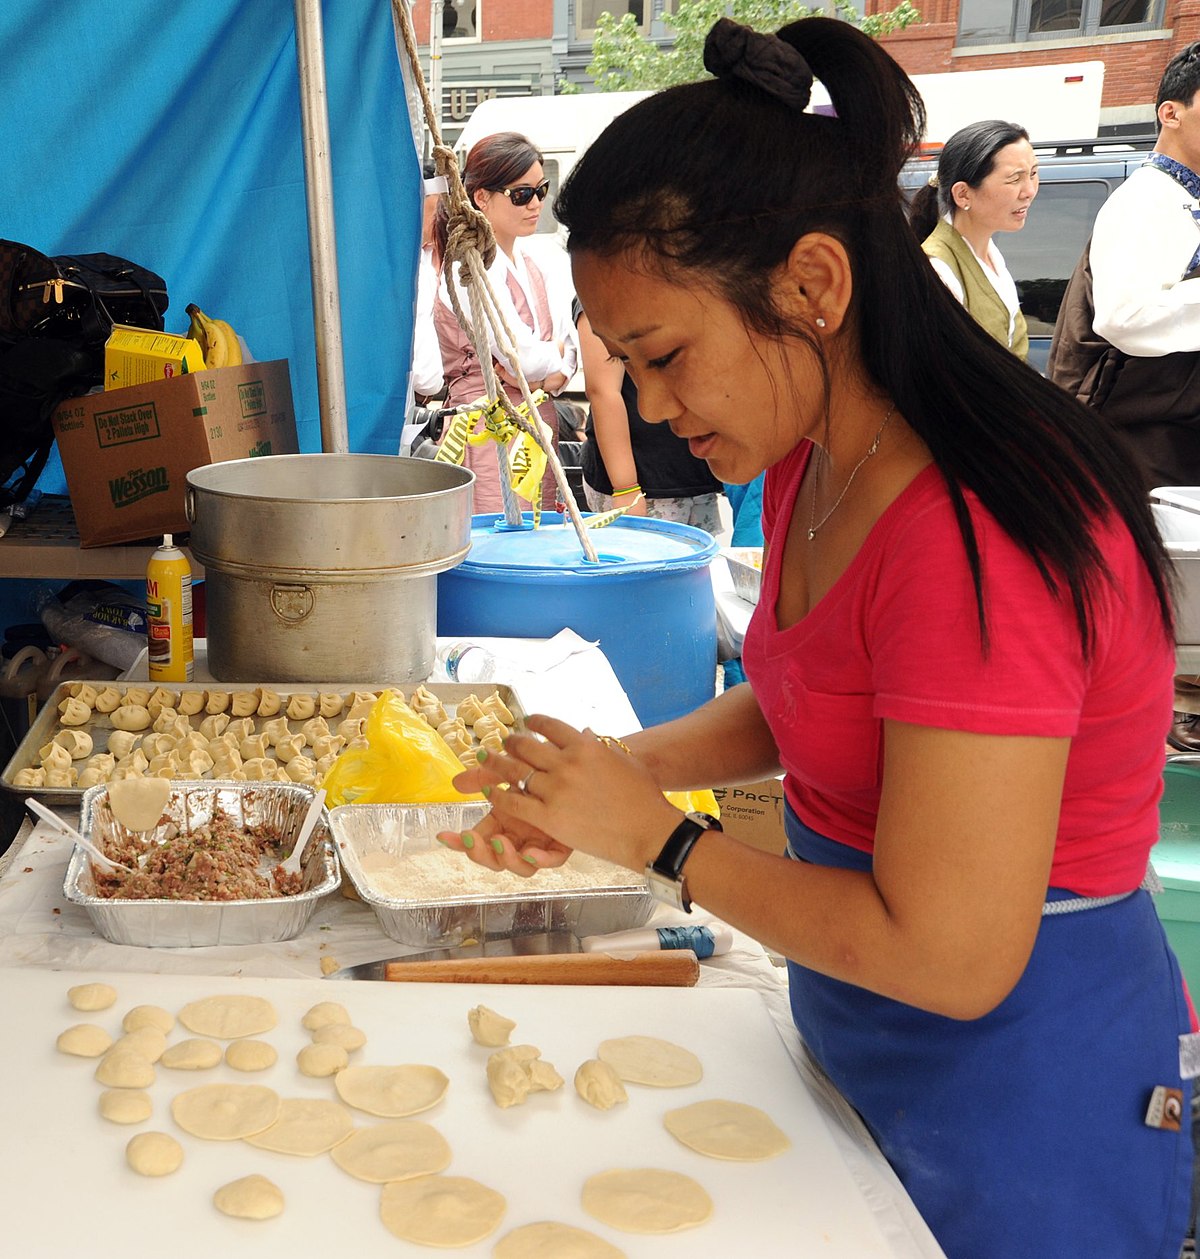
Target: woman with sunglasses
{"x": 504, "y": 179}
{"x": 962, "y": 659}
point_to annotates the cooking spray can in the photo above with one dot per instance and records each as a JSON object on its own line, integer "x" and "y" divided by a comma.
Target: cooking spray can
{"x": 169, "y": 614}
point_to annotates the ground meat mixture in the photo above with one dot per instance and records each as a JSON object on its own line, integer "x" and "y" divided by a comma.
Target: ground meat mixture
{"x": 217, "y": 862}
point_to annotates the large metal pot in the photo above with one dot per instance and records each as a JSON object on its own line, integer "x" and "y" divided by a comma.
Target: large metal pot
{"x": 324, "y": 567}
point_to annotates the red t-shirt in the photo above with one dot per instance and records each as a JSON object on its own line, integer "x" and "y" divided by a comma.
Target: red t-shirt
{"x": 898, "y": 637}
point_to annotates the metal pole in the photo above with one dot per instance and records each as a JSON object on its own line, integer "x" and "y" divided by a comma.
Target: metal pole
{"x": 322, "y": 239}
{"x": 435, "y": 57}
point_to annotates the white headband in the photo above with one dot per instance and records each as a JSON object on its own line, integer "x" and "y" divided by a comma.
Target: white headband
{"x": 436, "y": 185}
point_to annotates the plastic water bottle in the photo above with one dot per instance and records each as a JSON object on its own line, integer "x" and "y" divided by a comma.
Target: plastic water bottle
{"x": 468, "y": 662}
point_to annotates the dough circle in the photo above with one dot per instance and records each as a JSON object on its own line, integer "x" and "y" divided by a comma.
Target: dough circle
{"x": 125, "y": 1105}
{"x": 251, "y": 1198}
{"x": 730, "y": 1130}
{"x": 229, "y": 1017}
{"x": 391, "y": 1092}
{"x": 322, "y": 1060}
{"x": 648, "y": 1060}
{"x": 646, "y": 1200}
{"x": 306, "y": 1126}
{"x": 392, "y": 1151}
{"x": 441, "y": 1210}
{"x": 323, "y": 1014}
{"x": 84, "y": 1040}
{"x": 548, "y": 1239}
{"x": 192, "y": 1055}
{"x": 92, "y": 996}
{"x": 226, "y": 1112}
{"x": 250, "y": 1055}
{"x": 154, "y": 1154}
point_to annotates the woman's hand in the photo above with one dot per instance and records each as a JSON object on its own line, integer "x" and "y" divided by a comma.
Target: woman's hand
{"x": 562, "y": 791}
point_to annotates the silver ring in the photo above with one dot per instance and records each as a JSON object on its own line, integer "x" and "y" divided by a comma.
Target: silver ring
{"x": 523, "y": 785}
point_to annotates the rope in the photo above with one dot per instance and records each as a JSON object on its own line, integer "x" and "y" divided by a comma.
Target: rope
{"x": 471, "y": 247}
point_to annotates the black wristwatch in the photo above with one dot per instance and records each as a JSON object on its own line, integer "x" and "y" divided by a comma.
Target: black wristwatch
{"x": 664, "y": 875}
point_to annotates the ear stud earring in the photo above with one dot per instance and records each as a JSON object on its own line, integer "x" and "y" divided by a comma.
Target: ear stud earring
{"x": 820, "y": 322}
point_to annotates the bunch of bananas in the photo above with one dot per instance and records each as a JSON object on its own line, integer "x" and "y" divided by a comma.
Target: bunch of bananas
{"x": 217, "y": 340}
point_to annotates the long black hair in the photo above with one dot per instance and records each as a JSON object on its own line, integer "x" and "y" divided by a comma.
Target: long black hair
{"x": 968, "y": 157}
{"x": 720, "y": 178}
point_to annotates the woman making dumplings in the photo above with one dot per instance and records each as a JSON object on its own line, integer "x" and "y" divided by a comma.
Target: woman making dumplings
{"x": 987, "y": 178}
{"x": 961, "y": 659}
{"x": 504, "y": 179}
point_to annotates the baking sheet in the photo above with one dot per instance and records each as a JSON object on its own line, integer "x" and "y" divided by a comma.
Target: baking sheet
{"x": 46, "y": 723}
{"x": 58, "y": 1150}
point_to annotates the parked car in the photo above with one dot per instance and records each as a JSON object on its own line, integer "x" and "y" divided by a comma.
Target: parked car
{"x": 1076, "y": 178}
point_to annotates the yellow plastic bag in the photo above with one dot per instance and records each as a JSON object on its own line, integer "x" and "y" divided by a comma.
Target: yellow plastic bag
{"x": 405, "y": 761}
{"x": 695, "y": 802}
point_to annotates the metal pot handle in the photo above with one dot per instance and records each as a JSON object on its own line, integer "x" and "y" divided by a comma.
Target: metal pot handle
{"x": 189, "y": 505}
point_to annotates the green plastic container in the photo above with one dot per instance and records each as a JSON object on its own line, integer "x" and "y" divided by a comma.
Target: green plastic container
{"x": 1176, "y": 858}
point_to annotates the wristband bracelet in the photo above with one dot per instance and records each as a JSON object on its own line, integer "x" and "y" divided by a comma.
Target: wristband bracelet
{"x": 631, "y": 489}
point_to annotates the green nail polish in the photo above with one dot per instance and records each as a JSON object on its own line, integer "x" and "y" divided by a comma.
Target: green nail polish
{"x": 481, "y": 755}
{"x": 497, "y": 845}
{"x": 468, "y": 840}
{"x": 440, "y": 840}
{"x": 530, "y": 860}
{"x": 487, "y": 791}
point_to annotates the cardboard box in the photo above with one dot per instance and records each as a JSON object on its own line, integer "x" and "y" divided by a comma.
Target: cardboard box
{"x": 127, "y": 452}
{"x": 136, "y": 356}
{"x": 753, "y": 813}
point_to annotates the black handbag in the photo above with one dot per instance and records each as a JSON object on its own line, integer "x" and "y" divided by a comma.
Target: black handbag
{"x": 75, "y": 297}
{"x": 55, "y": 316}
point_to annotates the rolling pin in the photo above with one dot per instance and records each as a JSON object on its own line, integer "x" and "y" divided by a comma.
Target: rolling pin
{"x": 674, "y": 968}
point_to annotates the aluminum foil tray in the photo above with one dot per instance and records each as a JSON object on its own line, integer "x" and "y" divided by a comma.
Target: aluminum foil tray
{"x": 618, "y": 900}
{"x": 46, "y": 724}
{"x": 183, "y": 924}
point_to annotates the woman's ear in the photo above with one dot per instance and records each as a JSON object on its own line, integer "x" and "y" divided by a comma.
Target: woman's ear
{"x": 961, "y": 192}
{"x": 817, "y": 282}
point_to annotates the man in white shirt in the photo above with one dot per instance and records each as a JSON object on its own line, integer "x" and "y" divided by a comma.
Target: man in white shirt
{"x": 1127, "y": 340}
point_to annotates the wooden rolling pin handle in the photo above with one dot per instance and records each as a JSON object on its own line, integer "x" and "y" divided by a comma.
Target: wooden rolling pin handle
{"x": 673, "y": 967}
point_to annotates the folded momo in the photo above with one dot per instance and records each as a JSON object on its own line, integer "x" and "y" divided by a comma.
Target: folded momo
{"x": 301, "y": 769}
{"x": 213, "y": 725}
{"x": 131, "y": 717}
{"x": 313, "y": 729}
{"x": 275, "y": 730}
{"x": 68, "y": 777}
{"x": 301, "y": 707}
{"x": 55, "y": 756}
{"x": 136, "y": 695}
{"x": 253, "y": 748}
{"x": 240, "y": 728}
{"x": 107, "y": 699}
{"x": 261, "y": 769}
{"x": 30, "y": 776}
{"x": 158, "y": 744}
{"x": 244, "y": 703}
{"x": 289, "y": 747}
{"x": 162, "y": 699}
{"x": 269, "y": 702}
{"x": 470, "y": 709}
{"x": 74, "y": 712}
{"x": 77, "y": 742}
{"x": 218, "y": 702}
{"x": 83, "y": 691}
{"x": 121, "y": 743}
{"x": 331, "y": 704}
{"x": 497, "y": 708}
{"x": 191, "y": 702}
{"x": 90, "y": 776}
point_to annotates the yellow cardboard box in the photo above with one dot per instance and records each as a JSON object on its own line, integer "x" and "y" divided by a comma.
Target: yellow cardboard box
{"x": 753, "y": 813}
{"x": 135, "y": 356}
{"x": 127, "y": 452}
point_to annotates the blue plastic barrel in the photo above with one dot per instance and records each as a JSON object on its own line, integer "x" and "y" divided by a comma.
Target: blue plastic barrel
{"x": 649, "y": 601}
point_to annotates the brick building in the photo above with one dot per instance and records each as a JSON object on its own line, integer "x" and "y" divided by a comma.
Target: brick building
{"x": 530, "y": 47}
{"x": 1134, "y": 38}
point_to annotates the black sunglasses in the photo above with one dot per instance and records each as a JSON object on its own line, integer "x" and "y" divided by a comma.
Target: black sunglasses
{"x": 524, "y": 195}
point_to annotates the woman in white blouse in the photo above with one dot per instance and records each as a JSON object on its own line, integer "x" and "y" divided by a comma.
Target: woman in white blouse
{"x": 505, "y": 180}
{"x": 986, "y": 180}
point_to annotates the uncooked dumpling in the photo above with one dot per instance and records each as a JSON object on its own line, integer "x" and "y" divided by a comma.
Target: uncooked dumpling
{"x": 213, "y": 725}
{"x": 275, "y": 730}
{"x": 121, "y": 743}
{"x": 127, "y": 717}
{"x": 77, "y": 742}
{"x": 30, "y": 776}
{"x": 136, "y": 695}
{"x": 107, "y": 699}
{"x": 330, "y": 704}
{"x": 269, "y": 702}
{"x": 217, "y": 702}
{"x": 191, "y": 702}
{"x": 301, "y": 707}
{"x": 55, "y": 756}
{"x": 74, "y": 712}
{"x": 244, "y": 703}
{"x": 301, "y": 769}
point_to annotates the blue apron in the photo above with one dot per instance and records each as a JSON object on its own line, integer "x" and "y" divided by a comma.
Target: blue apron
{"x": 1021, "y": 1135}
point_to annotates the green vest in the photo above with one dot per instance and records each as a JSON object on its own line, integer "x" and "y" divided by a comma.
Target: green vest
{"x": 982, "y": 301}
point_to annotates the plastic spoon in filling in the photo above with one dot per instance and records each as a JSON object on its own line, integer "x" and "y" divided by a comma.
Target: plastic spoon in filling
{"x": 292, "y": 864}
{"x": 48, "y": 815}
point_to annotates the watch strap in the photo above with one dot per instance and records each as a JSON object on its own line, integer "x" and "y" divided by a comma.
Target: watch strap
{"x": 664, "y": 875}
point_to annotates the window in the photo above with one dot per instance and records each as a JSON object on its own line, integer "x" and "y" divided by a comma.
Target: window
{"x": 1009, "y": 21}
{"x": 1043, "y": 254}
{"x": 460, "y": 19}
{"x": 587, "y": 12}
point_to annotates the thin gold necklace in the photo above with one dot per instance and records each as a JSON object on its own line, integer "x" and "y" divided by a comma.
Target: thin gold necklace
{"x": 813, "y": 523}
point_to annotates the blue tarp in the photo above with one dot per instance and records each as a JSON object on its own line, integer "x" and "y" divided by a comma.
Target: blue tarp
{"x": 168, "y": 132}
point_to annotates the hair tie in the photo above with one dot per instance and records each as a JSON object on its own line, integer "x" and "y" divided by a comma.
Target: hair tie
{"x": 933, "y": 180}
{"x": 769, "y": 63}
